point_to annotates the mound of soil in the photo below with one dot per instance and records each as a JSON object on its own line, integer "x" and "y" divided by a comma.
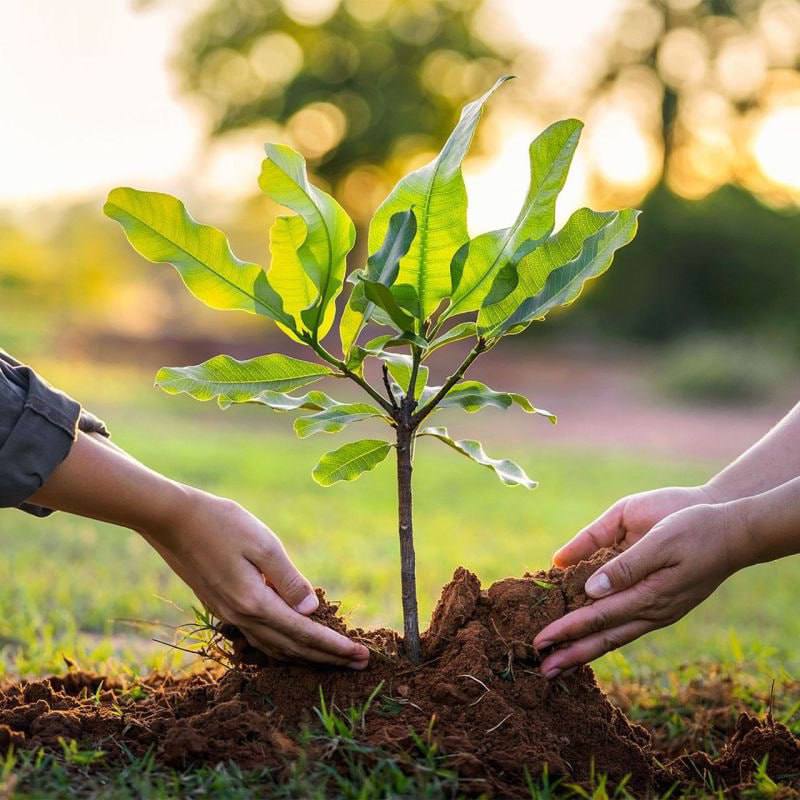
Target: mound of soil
{"x": 478, "y": 696}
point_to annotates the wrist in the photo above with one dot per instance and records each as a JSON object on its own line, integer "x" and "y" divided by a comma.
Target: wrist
{"x": 745, "y": 539}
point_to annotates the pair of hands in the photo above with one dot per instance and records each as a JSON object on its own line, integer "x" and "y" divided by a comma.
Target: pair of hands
{"x": 679, "y": 545}
{"x": 240, "y": 570}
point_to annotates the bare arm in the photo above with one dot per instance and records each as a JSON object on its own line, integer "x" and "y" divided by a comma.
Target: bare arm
{"x": 232, "y": 561}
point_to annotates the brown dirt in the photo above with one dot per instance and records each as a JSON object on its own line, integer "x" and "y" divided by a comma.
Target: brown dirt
{"x": 478, "y": 696}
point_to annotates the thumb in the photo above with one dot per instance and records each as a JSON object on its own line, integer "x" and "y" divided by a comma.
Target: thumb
{"x": 603, "y": 532}
{"x": 292, "y": 586}
{"x": 627, "y": 569}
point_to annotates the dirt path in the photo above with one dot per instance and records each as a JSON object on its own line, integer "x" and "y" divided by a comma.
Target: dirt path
{"x": 607, "y": 401}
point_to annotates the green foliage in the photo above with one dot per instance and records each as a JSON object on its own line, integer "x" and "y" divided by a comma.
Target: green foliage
{"x": 230, "y": 381}
{"x": 509, "y": 473}
{"x": 717, "y": 370}
{"x": 422, "y": 270}
{"x": 349, "y": 461}
{"x": 376, "y": 63}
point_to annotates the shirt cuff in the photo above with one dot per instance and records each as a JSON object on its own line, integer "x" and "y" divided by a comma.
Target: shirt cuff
{"x": 39, "y": 441}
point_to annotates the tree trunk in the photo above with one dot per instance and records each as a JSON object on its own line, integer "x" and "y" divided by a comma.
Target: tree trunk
{"x": 408, "y": 576}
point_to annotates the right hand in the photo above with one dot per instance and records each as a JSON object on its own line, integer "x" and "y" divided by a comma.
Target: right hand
{"x": 238, "y": 568}
{"x": 628, "y": 520}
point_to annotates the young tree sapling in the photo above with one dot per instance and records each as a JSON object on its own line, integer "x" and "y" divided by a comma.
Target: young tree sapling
{"x": 426, "y": 284}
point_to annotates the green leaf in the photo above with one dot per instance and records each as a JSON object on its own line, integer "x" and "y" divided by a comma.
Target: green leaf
{"x": 473, "y": 272}
{"x": 439, "y": 197}
{"x": 509, "y": 473}
{"x": 349, "y": 461}
{"x": 565, "y": 283}
{"x": 464, "y": 330}
{"x": 334, "y": 419}
{"x": 382, "y": 296}
{"x": 382, "y": 267}
{"x": 232, "y": 381}
{"x": 330, "y": 233}
{"x": 287, "y": 276}
{"x": 280, "y": 401}
{"x": 160, "y": 228}
{"x": 472, "y": 396}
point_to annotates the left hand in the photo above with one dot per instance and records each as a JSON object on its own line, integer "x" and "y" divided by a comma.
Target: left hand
{"x": 652, "y": 584}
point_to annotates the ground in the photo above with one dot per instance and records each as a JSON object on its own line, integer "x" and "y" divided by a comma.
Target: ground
{"x": 88, "y": 592}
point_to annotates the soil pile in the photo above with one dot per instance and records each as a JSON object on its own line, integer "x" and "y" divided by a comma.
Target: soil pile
{"x": 478, "y": 696}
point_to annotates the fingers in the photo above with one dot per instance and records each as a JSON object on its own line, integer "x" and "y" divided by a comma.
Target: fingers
{"x": 281, "y": 573}
{"x": 593, "y": 646}
{"x": 603, "y": 532}
{"x": 605, "y": 614}
{"x": 284, "y": 648}
{"x": 628, "y": 568}
{"x": 269, "y": 614}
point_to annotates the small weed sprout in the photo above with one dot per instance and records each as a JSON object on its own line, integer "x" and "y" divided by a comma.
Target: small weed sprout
{"x": 426, "y": 285}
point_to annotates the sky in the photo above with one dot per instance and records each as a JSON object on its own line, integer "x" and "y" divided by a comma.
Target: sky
{"x": 90, "y": 102}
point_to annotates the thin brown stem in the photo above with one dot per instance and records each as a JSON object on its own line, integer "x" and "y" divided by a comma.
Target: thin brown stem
{"x": 348, "y": 373}
{"x": 417, "y": 418}
{"x": 408, "y": 579}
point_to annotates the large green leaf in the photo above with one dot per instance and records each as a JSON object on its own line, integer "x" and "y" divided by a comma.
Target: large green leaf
{"x": 334, "y": 418}
{"x": 349, "y": 461}
{"x": 473, "y": 396}
{"x": 400, "y": 368}
{"x": 330, "y": 233}
{"x": 232, "y": 381}
{"x": 160, "y": 228}
{"x": 473, "y": 272}
{"x": 382, "y": 268}
{"x": 439, "y": 198}
{"x": 287, "y": 276}
{"x": 509, "y": 473}
{"x": 565, "y": 283}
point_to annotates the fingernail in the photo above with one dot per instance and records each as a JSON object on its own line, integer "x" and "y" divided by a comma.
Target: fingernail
{"x": 553, "y": 672}
{"x": 598, "y": 585}
{"x": 308, "y": 605}
{"x": 358, "y": 665}
{"x": 543, "y": 645}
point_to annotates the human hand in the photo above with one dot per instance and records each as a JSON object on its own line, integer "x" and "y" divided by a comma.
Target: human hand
{"x": 238, "y": 567}
{"x": 630, "y": 518}
{"x": 653, "y": 583}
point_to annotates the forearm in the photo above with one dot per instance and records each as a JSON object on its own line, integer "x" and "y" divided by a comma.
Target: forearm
{"x": 103, "y": 482}
{"x": 770, "y": 462}
{"x": 771, "y": 521}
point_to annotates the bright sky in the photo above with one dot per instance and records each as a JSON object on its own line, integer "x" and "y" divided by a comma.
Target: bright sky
{"x": 90, "y": 102}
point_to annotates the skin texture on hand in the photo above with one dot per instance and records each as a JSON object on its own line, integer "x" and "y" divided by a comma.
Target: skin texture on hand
{"x": 663, "y": 573}
{"x": 231, "y": 560}
{"x": 628, "y": 520}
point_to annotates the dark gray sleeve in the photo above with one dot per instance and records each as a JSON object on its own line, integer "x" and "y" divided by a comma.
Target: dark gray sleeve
{"x": 38, "y": 425}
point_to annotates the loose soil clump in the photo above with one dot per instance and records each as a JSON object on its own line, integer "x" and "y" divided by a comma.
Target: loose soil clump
{"x": 478, "y": 695}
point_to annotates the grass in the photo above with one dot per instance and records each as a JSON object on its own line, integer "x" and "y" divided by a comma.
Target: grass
{"x": 76, "y": 588}
{"x": 85, "y": 591}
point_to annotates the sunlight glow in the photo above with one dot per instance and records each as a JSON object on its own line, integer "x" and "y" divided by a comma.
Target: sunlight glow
{"x": 619, "y": 151}
{"x": 775, "y": 146}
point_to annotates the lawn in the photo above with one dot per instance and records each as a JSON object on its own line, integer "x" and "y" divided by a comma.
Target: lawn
{"x": 75, "y": 588}
{"x": 96, "y": 595}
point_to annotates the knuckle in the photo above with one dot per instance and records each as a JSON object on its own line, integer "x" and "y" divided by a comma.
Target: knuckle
{"x": 612, "y": 641}
{"x": 622, "y": 572}
{"x": 599, "y": 620}
{"x": 247, "y": 606}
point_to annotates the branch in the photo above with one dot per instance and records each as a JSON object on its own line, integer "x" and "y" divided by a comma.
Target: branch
{"x": 387, "y": 385}
{"x": 348, "y": 373}
{"x": 449, "y": 383}
{"x": 416, "y": 357}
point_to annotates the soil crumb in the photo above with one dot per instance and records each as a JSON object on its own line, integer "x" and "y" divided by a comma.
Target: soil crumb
{"x": 478, "y": 695}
